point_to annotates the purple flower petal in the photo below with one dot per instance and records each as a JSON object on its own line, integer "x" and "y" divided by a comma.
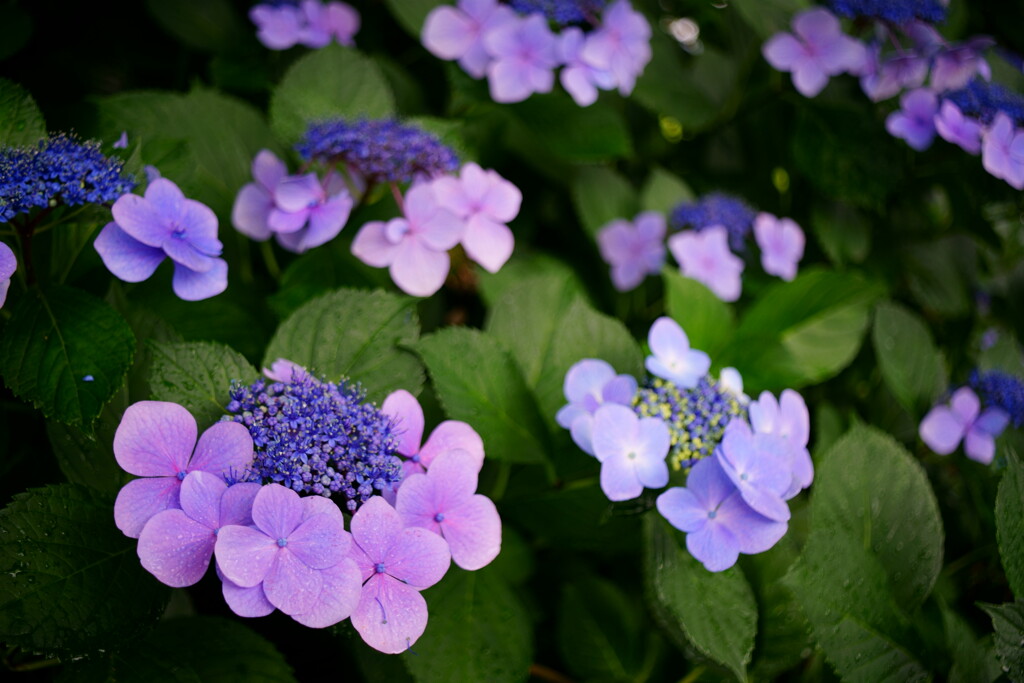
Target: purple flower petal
{"x": 374, "y": 528}
{"x": 714, "y": 545}
{"x": 245, "y": 602}
{"x": 251, "y": 210}
{"x": 200, "y": 498}
{"x": 705, "y": 257}
{"x": 279, "y": 27}
{"x": 140, "y": 219}
{"x": 224, "y": 448}
{"x": 372, "y": 247}
{"x": 488, "y": 243}
{"x": 320, "y": 541}
{"x": 244, "y": 554}
{"x": 155, "y": 438}
{"x": 124, "y": 256}
{"x": 672, "y": 358}
{"x": 296, "y": 193}
{"x": 782, "y": 245}
{"x": 418, "y": 270}
{"x": 191, "y": 285}
{"x": 417, "y": 557}
{"x": 139, "y": 500}
{"x": 339, "y": 596}
{"x": 268, "y": 170}
{"x": 290, "y": 584}
{"x": 407, "y": 414}
{"x": 276, "y": 511}
{"x": 175, "y": 548}
{"x": 448, "y": 32}
{"x": 236, "y": 504}
{"x": 391, "y": 616}
{"x": 473, "y": 532}
{"x": 941, "y": 430}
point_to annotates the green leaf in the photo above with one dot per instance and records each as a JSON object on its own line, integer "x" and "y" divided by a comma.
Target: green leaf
{"x": 355, "y": 334}
{"x": 802, "y": 332}
{"x": 208, "y": 25}
{"x": 668, "y": 88}
{"x": 412, "y": 13}
{"x": 910, "y": 363}
{"x": 715, "y": 610}
{"x": 561, "y": 128}
{"x": 67, "y": 570}
{"x": 941, "y": 274}
{"x": 522, "y": 266}
{"x": 1010, "y": 524}
{"x": 873, "y": 555}
{"x": 601, "y": 195}
{"x": 478, "y": 382}
{"x": 843, "y": 233}
{"x": 1008, "y": 621}
{"x": 17, "y": 25}
{"x": 478, "y": 631}
{"x": 333, "y": 82}
{"x": 21, "y": 122}
{"x": 768, "y": 17}
{"x": 197, "y": 375}
{"x": 67, "y": 352}
{"x": 663, "y": 191}
{"x": 707, "y": 320}
{"x": 972, "y": 662}
{"x": 88, "y": 458}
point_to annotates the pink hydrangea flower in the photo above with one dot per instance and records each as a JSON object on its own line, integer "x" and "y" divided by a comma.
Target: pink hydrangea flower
{"x": 914, "y": 121}
{"x": 458, "y": 32}
{"x": 525, "y": 55}
{"x": 579, "y": 78}
{"x": 1002, "y": 151}
{"x": 782, "y": 245}
{"x": 621, "y": 46}
{"x": 704, "y": 256}
{"x": 953, "y": 126}
{"x": 818, "y": 51}
{"x": 634, "y": 250}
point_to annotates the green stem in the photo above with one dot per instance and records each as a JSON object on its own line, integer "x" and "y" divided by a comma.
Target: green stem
{"x": 501, "y": 483}
{"x": 693, "y": 675}
{"x": 267, "y": 249}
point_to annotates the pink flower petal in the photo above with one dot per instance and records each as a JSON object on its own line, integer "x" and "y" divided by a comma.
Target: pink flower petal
{"x": 450, "y": 435}
{"x": 375, "y": 526}
{"x": 200, "y": 497}
{"x": 488, "y": 243}
{"x": 473, "y": 532}
{"x": 245, "y": 602}
{"x": 175, "y": 548}
{"x": 244, "y": 554}
{"x": 138, "y": 501}
{"x": 155, "y": 438}
{"x": 224, "y": 448}
{"x": 417, "y": 270}
{"x": 339, "y": 596}
{"x": 407, "y": 414}
{"x": 319, "y": 541}
{"x": 391, "y": 616}
{"x": 418, "y": 557}
{"x": 372, "y": 247}
{"x": 277, "y": 511}
{"x": 291, "y": 585}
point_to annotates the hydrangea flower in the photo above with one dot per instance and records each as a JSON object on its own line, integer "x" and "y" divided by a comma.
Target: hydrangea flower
{"x": 146, "y": 230}
{"x": 485, "y": 202}
{"x": 562, "y": 12}
{"x": 718, "y": 524}
{"x": 156, "y": 440}
{"x": 621, "y": 45}
{"x": 311, "y": 23}
{"x": 458, "y": 32}
{"x": 915, "y": 120}
{"x": 787, "y": 420}
{"x": 631, "y": 450}
{"x": 705, "y": 257}
{"x": 285, "y": 550}
{"x": 396, "y": 562}
{"x": 953, "y": 126}
{"x": 377, "y": 150}
{"x": 589, "y": 384}
{"x": 716, "y": 208}
{"x": 59, "y": 169}
{"x": 818, "y": 51}
{"x": 945, "y": 426}
{"x": 579, "y": 78}
{"x": 982, "y": 100}
{"x": 671, "y": 356}
{"x": 782, "y": 245}
{"x": 525, "y": 55}
{"x": 954, "y": 66}
{"x": 317, "y": 437}
{"x": 407, "y": 424}
{"x": 1001, "y": 390}
{"x": 1002, "y": 151}
{"x": 881, "y": 79}
{"x": 414, "y": 247}
{"x": 444, "y": 500}
{"x": 634, "y": 249}
{"x": 8, "y": 264}
{"x": 759, "y": 467}
{"x": 176, "y": 545}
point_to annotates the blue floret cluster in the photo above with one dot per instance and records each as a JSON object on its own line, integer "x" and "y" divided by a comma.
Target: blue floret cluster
{"x": 716, "y": 208}
{"x": 562, "y": 12}
{"x": 896, "y": 11}
{"x": 982, "y": 100}
{"x": 1002, "y": 391}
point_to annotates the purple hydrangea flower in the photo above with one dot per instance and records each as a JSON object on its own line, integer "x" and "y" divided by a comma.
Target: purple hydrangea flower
{"x": 589, "y": 384}
{"x": 396, "y": 562}
{"x": 1000, "y": 389}
{"x": 8, "y": 264}
{"x": 818, "y": 51}
{"x": 579, "y": 78}
{"x": 705, "y": 257}
{"x": 953, "y": 126}
{"x": 444, "y": 500}
{"x": 716, "y": 208}
{"x": 458, "y": 33}
{"x": 759, "y": 467}
{"x": 786, "y": 419}
{"x": 718, "y": 524}
{"x": 1002, "y": 151}
{"x": 176, "y": 545}
{"x": 881, "y": 79}
{"x": 782, "y": 245}
{"x": 407, "y": 420}
{"x": 156, "y": 440}
{"x": 915, "y": 120}
{"x": 953, "y": 67}
{"x": 310, "y": 23}
{"x": 945, "y": 426}
{"x": 121, "y": 142}
{"x": 562, "y": 11}
{"x": 285, "y": 550}
{"x": 731, "y": 381}
{"x": 621, "y": 45}
{"x": 525, "y": 55}
{"x": 671, "y": 356}
{"x": 278, "y": 26}
{"x": 146, "y": 230}
{"x": 486, "y": 202}
{"x": 414, "y": 247}
{"x": 634, "y": 250}
{"x": 631, "y": 450}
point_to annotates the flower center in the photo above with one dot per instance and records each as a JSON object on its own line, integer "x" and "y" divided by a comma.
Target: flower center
{"x": 181, "y": 475}
{"x": 282, "y": 542}
{"x": 631, "y": 455}
{"x": 712, "y": 514}
{"x": 379, "y": 567}
{"x": 439, "y": 517}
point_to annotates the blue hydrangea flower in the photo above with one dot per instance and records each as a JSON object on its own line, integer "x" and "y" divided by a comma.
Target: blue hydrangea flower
{"x": 896, "y": 11}
{"x": 1000, "y": 390}
{"x": 378, "y": 151}
{"x": 982, "y": 100}
{"x": 59, "y": 169}
{"x": 562, "y": 12}
{"x": 318, "y": 437}
{"x": 716, "y": 208}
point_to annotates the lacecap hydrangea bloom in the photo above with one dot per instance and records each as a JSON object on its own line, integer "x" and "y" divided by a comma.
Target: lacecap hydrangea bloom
{"x": 743, "y": 459}
{"x": 286, "y": 23}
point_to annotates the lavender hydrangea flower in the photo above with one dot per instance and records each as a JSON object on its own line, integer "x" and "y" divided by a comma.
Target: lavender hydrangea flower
{"x": 414, "y": 247}
{"x": 782, "y": 245}
{"x": 278, "y": 25}
{"x": 525, "y": 55}
{"x": 156, "y": 440}
{"x": 718, "y": 524}
{"x": 8, "y": 264}
{"x": 954, "y": 66}
{"x": 759, "y": 468}
{"x": 671, "y": 356}
{"x": 589, "y": 384}
{"x": 146, "y": 230}
{"x": 633, "y": 249}
{"x": 407, "y": 419}
{"x": 786, "y": 419}
{"x": 176, "y": 545}
{"x": 396, "y": 562}
{"x": 458, "y": 33}
{"x": 1002, "y": 151}
{"x": 620, "y": 46}
{"x": 580, "y": 78}
{"x": 310, "y": 23}
{"x": 945, "y": 426}
{"x": 631, "y": 450}
{"x": 953, "y": 126}
{"x": 444, "y": 500}
{"x": 705, "y": 257}
{"x": 818, "y": 51}
{"x": 285, "y": 550}
{"x": 881, "y": 79}
{"x": 485, "y": 202}
{"x": 915, "y": 120}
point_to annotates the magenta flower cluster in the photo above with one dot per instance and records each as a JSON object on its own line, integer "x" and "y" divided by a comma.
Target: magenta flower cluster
{"x": 519, "y": 53}
{"x": 274, "y": 550}
{"x": 705, "y": 253}
{"x": 943, "y": 86}
{"x": 311, "y": 23}
{"x": 735, "y": 498}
